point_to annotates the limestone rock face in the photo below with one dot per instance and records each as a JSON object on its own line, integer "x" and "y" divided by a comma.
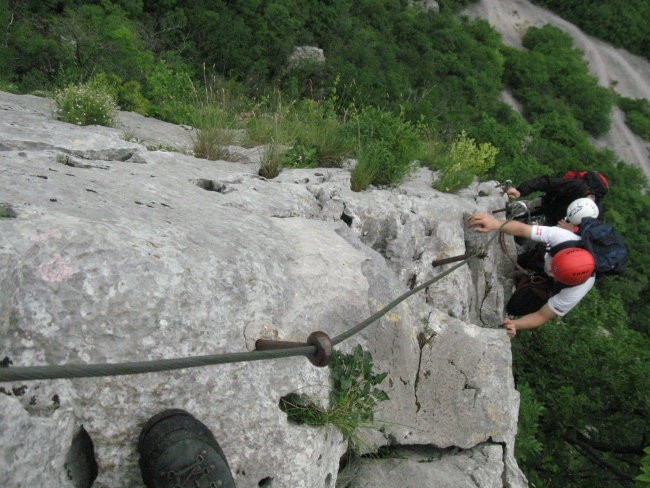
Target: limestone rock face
{"x": 119, "y": 252}
{"x": 480, "y": 467}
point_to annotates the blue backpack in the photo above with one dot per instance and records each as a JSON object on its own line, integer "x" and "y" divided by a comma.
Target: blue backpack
{"x": 603, "y": 242}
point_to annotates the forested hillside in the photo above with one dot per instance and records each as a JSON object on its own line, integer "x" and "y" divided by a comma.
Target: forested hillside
{"x": 399, "y": 83}
{"x": 621, "y": 23}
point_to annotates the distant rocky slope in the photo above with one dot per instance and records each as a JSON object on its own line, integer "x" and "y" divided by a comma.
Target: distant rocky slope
{"x": 117, "y": 251}
{"x": 627, "y": 74}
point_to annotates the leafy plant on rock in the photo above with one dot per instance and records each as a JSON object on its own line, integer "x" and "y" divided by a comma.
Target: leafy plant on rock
{"x": 301, "y": 156}
{"x": 353, "y": 397}
{"x": 466, "y": 159}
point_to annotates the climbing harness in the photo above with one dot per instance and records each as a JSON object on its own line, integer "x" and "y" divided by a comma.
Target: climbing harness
{"x": 318, "y": 348}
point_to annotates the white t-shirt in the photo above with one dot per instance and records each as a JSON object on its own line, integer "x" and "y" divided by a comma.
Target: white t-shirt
{"x": 568, "y": 297}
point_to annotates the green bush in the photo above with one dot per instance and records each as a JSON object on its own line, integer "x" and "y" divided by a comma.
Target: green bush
{"x": 623, "y": 23}
{"x": 354, "y": 395}
{"x": 170, "y": 90}
{"x": 589, "y": 370}
{"x": 433, "y": 151}
{"x": 130, "y": 98}
{"x": 8, "y": 86}
{"x": 639, "y": 123}
{"x": 317, "y": 129}
{"x": 388, "y": 145}
{"x": 466, "y": 160}
{"x": 86, "y": 104}
{"x": 301, "y": 155}
{"x": 311, "y": 128}
{"x": 270, "y": 120}
{"x": 637, "y": 115}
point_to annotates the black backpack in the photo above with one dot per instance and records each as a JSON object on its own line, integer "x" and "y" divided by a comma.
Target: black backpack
{"x": 603, "y": 242}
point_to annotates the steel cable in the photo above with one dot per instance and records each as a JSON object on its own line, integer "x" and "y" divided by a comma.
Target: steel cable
{"x": 68, "y": 371}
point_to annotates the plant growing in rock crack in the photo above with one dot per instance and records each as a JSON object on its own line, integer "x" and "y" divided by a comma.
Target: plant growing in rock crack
{"x": 271, "y": 161}
{"x": 353, "y": 397}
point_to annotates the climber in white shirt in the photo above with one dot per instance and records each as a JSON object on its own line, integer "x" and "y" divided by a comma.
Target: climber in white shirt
{"x": 573, "y": 267}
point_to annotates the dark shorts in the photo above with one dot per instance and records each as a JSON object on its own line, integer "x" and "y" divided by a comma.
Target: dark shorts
{"x": 531, "y": 294}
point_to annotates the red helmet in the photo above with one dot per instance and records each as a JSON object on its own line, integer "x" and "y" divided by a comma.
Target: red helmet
{"x": 572, "y": 266}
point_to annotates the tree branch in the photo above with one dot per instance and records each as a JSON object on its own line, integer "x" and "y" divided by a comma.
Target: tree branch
{"x": 593, "y": 455}
{"x": 604, "y": 447}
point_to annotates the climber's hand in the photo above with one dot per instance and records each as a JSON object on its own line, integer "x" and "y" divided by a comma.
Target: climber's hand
{"x": 513, "y": 193}
{"x": 483, "y": 222}
{"x": 510, "y": 327}
{"x": 566, "y": 225}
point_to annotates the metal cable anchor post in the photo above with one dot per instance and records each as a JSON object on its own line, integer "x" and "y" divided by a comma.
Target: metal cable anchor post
{"x": 320, "y": 340}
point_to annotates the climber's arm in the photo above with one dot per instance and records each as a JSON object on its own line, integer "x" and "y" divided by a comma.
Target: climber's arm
{"x": 530, "y": 321}
{"x": 484, "y": 222}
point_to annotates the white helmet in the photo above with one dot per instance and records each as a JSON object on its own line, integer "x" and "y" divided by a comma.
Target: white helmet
{"x": 581, "y": 208}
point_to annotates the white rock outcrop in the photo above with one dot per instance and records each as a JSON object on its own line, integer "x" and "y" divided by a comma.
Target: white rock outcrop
{"x": 119, "y": 253}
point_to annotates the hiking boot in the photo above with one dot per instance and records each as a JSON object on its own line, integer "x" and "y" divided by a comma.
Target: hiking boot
{"x": 176, "y": 450}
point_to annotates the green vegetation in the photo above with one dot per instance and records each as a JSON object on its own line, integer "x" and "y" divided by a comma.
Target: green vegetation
{"x": 637, "y": 115}
{"x": 624, "y": 23}
{"x": 552, "y": 78}
{"x": 318, "y": 138}
{"x": 588, "y": 364}
{"x": 214, "y": 131}
{"x": 530, "y": 411}
{"x": 389, "y": 145}
{"x": 86, "y": 104}
{"x": 465, "y": 160}
{"x": 271, "y": 161}
{"x": 6, "y": 212}
{"x": 400, "y": 86}
{"x": 644, "y": 477}
{"x": 353, "y": 397}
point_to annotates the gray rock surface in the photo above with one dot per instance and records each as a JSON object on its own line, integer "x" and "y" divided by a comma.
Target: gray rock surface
{"x": 122, "y": 253}
{"x": 306, "y": 54}
{"x": 423, "y": 466}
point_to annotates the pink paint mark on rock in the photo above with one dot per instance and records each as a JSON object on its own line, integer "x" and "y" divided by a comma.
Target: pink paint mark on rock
{"x": 57, "y": 269}
{"x": 43, "y": 236}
